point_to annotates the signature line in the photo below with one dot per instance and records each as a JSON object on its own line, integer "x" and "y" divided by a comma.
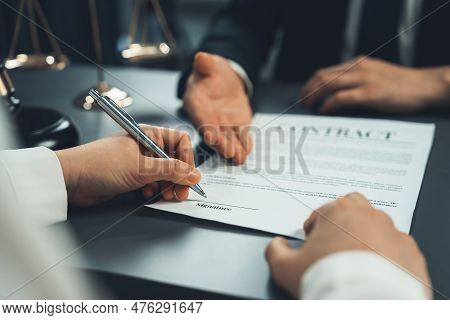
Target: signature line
{"x": 227, "y": 205}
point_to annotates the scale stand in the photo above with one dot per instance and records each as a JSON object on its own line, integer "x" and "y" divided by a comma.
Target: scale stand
{"x": 122, "y": 98}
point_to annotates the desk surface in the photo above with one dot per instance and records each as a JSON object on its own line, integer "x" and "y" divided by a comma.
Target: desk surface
{"x": 142, "y": 252}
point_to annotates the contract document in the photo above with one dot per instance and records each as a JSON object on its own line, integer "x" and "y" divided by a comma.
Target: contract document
{"x": 299, "y": 163}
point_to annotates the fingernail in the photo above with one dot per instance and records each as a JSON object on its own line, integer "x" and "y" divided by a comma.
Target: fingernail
{"x": 175, "y": 194}
{"x": 194, "y": 176}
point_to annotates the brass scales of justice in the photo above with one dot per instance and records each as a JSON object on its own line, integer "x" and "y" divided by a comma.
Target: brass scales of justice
{"x": 135, "y": 52}
{"x": 56, "y": 60}
{"x": 144, "y": 50}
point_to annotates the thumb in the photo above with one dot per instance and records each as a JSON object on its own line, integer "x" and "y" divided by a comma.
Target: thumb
{"x": 283, "y": 261}
{"x": 278, "y": 251}
{"x": 173, "y": 170}
{"x": 204, "y": 63}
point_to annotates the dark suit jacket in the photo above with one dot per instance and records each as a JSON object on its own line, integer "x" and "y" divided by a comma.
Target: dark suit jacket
{"x": 244, "y": 31}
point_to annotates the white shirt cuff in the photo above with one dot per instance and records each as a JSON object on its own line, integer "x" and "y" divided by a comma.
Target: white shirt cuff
{"x": 359, "y": 275}
{"x": 243, "y": 75}
{"x": 36, "y": 181}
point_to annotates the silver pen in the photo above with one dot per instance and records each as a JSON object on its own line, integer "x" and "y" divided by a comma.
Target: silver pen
{"x": 129, "y": 125}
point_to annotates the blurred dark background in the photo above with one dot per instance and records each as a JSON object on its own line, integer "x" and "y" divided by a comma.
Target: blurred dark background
{"x": 70, "y": 21}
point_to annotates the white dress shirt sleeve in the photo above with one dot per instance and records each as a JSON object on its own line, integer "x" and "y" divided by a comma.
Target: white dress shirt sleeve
{"x": 33, "y": 195}
{"x": 243, "y": 75}
{"x": 36, "y": 182}
{"x": 359, "y": 275}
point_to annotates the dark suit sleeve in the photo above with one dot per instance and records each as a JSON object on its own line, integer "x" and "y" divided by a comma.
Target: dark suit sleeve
{"x": 244, "y": 32}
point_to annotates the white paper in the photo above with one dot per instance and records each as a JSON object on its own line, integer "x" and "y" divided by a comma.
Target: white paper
{"x": 300, "y": 163}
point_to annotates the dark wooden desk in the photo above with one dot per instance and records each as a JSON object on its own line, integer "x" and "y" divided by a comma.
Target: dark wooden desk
{"x": 147, "y": 254}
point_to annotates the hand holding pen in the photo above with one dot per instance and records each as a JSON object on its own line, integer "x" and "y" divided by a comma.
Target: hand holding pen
{"x": 132, "y": 128}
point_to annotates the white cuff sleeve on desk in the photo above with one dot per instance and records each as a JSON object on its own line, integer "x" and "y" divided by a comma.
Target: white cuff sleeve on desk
{"x": 358, "y": 275}
{"x": 34, "y": 179}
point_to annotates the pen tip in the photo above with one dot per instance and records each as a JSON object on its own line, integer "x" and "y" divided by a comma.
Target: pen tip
{"x": 200, "y": 191}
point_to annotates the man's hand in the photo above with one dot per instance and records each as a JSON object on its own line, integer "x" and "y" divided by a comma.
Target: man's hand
{"x": 378, "y": 85}
{"x": 216, "y": 101}
{"x": 349, "y": 223}
{"x": 105, "y": 168}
